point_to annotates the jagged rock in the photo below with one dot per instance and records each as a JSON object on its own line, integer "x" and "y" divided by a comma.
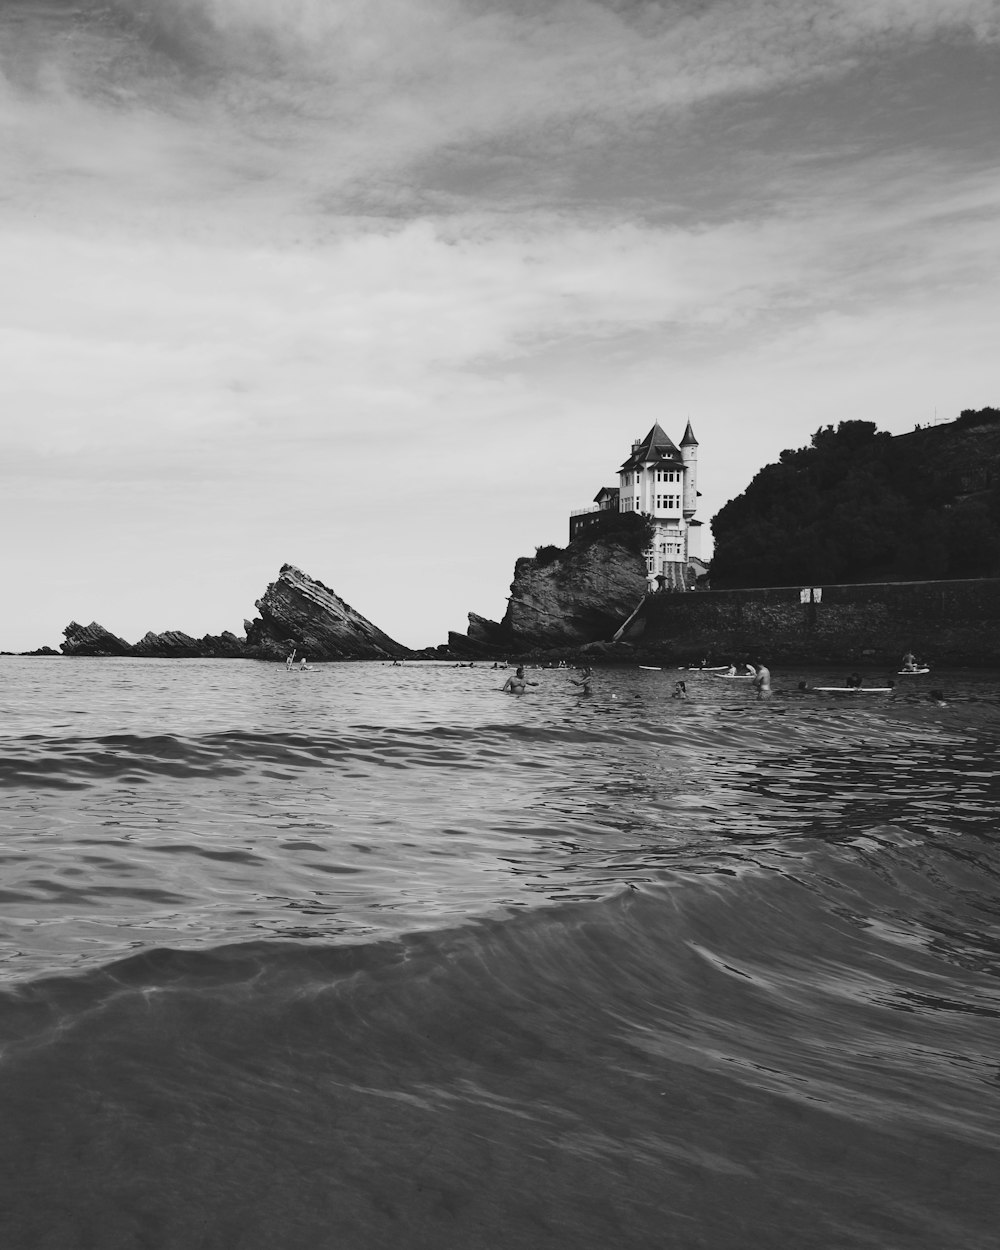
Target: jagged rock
{"x": 171, "y": 642}
{"x": 226, "y": 645}
{"x": 566, "y": 599}
{"x": 582, "y": 596}
{"x": 486, "y": 632}
{"x": 461, "y": 645}
{"x": 174, "y": 643}
{"x": 92, "y": 639}
{"x": 296, "y": 611}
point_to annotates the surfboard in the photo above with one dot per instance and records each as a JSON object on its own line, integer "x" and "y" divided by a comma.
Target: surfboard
{"x": 912, "y": 672}
{"x": 736, "y": 676}
{"x": 650, "y": 668}
{"x": 854, "y": 689}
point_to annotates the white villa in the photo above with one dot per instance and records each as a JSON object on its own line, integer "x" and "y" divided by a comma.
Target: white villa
{"x": 659, "y": 481}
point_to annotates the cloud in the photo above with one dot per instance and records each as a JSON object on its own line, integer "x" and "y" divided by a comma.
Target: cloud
{"x": 271, "y": 265}
{"x": 320, "y": 108}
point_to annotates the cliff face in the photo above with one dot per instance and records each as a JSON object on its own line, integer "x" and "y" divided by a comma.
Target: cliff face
{"x": 296, "y": 611}
{"x": 581, "y": 595}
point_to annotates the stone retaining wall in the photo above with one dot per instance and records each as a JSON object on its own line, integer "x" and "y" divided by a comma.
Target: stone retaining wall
{"x": 953, "y": 622}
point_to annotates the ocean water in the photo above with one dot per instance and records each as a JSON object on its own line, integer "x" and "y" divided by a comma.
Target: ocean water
{"x": 382, "y": 957}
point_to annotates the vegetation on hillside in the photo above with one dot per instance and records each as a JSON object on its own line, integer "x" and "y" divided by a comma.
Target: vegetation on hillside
{"x": 858, "y": 504}
{"x": 630, "y": 530}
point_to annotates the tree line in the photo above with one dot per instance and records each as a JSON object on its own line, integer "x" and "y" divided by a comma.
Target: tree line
{"x": 858, "y": 504}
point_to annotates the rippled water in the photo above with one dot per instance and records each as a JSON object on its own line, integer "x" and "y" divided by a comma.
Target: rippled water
{"x": 374, "y": 956}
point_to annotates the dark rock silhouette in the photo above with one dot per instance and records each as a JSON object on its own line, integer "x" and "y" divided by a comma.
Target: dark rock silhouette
{"x": 297, "y": 611}
{"x": 92, "y": 639}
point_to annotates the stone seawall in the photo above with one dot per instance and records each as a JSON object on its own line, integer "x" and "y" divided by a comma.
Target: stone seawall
{"x": 953, "y": 622}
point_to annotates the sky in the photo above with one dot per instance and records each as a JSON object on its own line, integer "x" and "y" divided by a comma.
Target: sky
{"x": 385, "y": 288}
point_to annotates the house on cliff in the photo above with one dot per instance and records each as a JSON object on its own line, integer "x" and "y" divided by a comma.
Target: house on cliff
{"x": 660, "y": 482}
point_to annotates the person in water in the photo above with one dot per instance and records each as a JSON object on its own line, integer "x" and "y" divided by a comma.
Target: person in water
{"x": 517, "y": 683}
{"x": 680, "y": 690}
{"x": 854, "y": 681}
{"x": 585, "y": 678}
{"x": 762, "y": 681}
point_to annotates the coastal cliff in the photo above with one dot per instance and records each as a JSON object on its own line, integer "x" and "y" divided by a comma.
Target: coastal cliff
{"x": 565, "y": 597}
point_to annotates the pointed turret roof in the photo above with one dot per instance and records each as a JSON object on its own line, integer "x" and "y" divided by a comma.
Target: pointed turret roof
{"x": 653, "y": 449}
{"x": 689, "y": 439}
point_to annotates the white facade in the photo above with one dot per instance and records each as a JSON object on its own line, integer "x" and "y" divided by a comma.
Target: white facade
{"x": 660, "y": 481}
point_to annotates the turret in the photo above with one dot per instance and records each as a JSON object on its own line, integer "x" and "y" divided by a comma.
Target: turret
{"x": 689, "y": 457}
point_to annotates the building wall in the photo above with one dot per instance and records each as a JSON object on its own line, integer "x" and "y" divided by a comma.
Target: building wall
{"x": 947, "y": 623}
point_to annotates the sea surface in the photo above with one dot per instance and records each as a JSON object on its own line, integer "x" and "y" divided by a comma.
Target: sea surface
{"x": 375, "y": 956}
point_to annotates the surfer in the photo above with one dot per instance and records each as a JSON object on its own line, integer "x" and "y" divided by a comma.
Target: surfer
{"x": 290, "y": 660}
{"x": 303, "y": 665}
{"x": 854, "y": 681}
{"x": 909, "y": 662}
{"x": 517, "y": 683}
{"x": 731, "y": 670}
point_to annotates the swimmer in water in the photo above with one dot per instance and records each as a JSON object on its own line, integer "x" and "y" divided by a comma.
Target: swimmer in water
{"x": 517, "y": 683}
{"x": 680, "y": 690}
{"x": 585, "y": 678}
{"x": 762, "y": 681}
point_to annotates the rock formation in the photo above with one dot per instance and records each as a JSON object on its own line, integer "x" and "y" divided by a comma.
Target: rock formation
{"x": 173, "y": 643}
{"x": 296, "y": 611}
{"x": 92, "y": 639}
{"x": 580, "y": 595}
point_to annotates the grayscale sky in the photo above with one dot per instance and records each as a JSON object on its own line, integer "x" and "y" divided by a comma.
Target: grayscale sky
{"x": 384, "y": 288}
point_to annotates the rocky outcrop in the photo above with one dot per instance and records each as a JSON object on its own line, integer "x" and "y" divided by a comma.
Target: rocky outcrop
{"x": 581, "y": 596}
{"x": 297, "y": 611}
{"x": 92, "y": 639}
{"x": 568, "y": 599}
{"x": 174, "y": 644}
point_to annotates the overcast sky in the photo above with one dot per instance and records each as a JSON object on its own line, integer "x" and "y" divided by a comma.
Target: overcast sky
{"x": 385, "y": 288}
